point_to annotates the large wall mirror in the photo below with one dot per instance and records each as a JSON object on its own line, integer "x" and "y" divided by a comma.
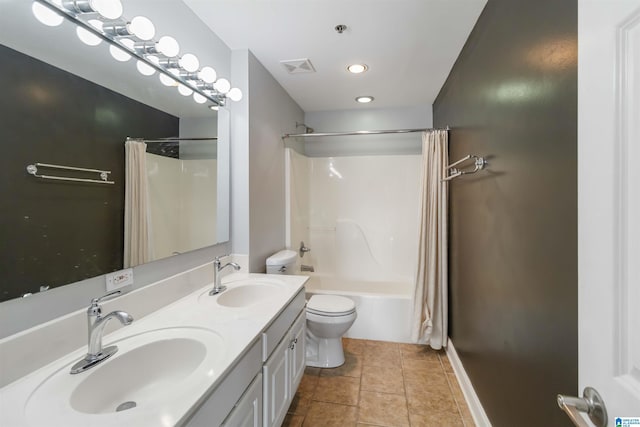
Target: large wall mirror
{"x": 70, "y": 104}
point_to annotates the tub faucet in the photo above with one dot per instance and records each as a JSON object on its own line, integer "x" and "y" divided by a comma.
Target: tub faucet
{"x": 96, "y": 324}
{"x": 217, "y": 268}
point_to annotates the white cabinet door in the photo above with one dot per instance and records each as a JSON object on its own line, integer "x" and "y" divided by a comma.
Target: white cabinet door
{"x": 277, "y": 383}
{"x": 298, "y": 334}
{"x": 248, "y": 411}
{"x": 609, "y": 203}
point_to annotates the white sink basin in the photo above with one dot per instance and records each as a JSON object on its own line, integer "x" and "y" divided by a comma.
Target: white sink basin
{"x": 158, "y": 365}
{"x": 149, "y": 373}
{"x": 246, "y": 293}
{"x": 249, "y": 294}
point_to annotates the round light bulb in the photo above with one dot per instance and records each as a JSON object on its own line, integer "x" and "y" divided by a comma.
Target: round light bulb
{"x": 145, "y": 69}
{"x": 365, "y": 99}
{"x": 167, "y": 81}
{"x": 199, "y": 98}
{"x": 88, "y": 37}
{"x": 110, "y": 9}
{"x": 222, "y": 85}
{"x": 189, "y": 62}
{"x": 184, "y": 90}
{"x": 168, "y": 46}
{"x": 45, "y": 15}
{"x": 120, "y": 54}
{"x": 208, "y": 75}
{"x": 357, "y": 68}
{"x": 235, "y": 94}
{"x": 142, "y": 28}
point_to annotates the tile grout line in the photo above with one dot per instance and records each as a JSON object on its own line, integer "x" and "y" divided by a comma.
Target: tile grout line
{"x": 360, "y": 383}
{"x": 404, "y": 385}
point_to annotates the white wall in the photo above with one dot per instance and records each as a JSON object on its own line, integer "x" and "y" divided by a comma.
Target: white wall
{"x": 272, "y": 112}
{"x": 258, "y": 122}
{"x": 239, "y": 153}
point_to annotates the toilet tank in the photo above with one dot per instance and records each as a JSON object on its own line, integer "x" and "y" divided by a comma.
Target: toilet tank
{"x": 283, "y": 262}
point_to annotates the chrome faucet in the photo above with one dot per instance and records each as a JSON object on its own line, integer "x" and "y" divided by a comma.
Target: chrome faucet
{"x": 217, "y": 268}
{"x": 96, "y": 324}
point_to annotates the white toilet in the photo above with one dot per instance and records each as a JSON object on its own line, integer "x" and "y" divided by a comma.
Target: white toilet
{"x": 328, "y": 317}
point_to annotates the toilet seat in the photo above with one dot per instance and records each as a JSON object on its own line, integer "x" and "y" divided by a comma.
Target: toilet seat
{"x": 330, "y": 305}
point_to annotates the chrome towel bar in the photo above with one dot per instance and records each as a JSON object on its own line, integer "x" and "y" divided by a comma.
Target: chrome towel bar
{"x": 104, "y": 175}
{"x": 452, "y": 171}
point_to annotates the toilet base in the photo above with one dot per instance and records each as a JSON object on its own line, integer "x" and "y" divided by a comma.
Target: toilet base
{"x": 324, "y": 352}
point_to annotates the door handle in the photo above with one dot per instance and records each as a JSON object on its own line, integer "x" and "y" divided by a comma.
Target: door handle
{"x": 591, "y": 403}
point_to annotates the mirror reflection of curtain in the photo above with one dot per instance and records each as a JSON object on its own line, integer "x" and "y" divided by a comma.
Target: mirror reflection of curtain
{"x": 137, "y": 245}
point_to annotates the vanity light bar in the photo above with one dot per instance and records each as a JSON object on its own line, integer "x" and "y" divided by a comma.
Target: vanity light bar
{"x": 114, "y": 30}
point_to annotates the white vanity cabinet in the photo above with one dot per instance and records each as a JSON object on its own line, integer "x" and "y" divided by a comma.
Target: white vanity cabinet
{"x": 232, "y": 396}
{"x": 248, "y": 410}
{"x": 285, "y": 365}
{"x": 248, "y": 398}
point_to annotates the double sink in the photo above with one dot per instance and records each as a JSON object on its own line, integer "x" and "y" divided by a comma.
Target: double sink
{"x": 167, "y": 361}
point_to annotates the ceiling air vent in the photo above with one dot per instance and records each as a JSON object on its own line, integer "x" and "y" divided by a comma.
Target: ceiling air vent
{"x": 296, "y": 66}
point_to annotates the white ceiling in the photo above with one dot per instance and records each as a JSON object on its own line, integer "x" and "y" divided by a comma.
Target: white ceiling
{"x": 409, "y": 45}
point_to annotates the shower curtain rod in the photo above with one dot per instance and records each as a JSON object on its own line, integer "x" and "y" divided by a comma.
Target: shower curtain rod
{"x": 358, "y": 132}
{"x": 172, "y": 139}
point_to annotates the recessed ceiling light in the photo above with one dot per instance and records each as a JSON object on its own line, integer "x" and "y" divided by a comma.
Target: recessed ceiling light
{"x": 214, "y": 107}
{"x": 364, "y": 99}
{"x": 357, "y": 68}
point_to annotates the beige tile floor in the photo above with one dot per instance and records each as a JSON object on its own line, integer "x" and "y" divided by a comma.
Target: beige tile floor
{"x": 381, "y": 384}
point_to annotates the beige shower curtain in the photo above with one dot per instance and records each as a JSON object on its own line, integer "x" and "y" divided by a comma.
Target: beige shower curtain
{"x": 137, "y": 245}
{"x": 429, "y": 322}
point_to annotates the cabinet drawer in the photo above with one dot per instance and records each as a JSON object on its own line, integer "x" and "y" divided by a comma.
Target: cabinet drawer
{"x": 248, "y": 410}
{"x": 276, "y": 330}
{"x": 217, "y": 405}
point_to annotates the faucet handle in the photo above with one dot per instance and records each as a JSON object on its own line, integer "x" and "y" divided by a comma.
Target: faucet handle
{"x": 96, "y": 301}
{"x": 216, "y": 260}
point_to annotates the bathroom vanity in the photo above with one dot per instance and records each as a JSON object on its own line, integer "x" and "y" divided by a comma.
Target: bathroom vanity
{"x": 233, "y": 359}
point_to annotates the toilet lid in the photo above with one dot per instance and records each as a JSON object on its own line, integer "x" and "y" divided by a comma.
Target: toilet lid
{"x": 330, "y": 305}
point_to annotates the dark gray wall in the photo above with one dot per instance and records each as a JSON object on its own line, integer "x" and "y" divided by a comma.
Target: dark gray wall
{"x": 512, "y": 96}
{"x": 55, "y": 232}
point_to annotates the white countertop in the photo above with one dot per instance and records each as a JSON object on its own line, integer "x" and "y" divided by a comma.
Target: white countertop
{"x": 42, "y": 397}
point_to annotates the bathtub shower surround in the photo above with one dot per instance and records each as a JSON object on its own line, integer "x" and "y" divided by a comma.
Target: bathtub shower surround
{"x": 359, "y": 217}
{"x": 181, "y": 193}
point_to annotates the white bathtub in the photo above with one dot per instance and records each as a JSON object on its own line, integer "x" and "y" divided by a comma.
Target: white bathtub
{"x": 384, "y": 309}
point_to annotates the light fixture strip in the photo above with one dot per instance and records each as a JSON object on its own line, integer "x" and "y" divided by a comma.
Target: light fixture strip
{"x": 218, "y": 100}
{"x": 115, "y": 29}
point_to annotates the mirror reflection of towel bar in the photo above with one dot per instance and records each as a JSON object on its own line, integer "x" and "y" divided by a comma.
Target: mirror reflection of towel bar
{"x": 454, "y": 171}
{"x": 104, "y": 175}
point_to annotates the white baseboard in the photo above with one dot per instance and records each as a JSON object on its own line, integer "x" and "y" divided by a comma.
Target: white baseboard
{"x": 477, "y": 411}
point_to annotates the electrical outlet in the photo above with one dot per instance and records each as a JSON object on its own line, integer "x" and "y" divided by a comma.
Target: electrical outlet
{"x": 119, "y": 279}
